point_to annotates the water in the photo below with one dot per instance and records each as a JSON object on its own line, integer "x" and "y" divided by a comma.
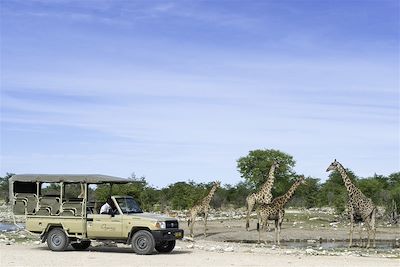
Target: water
{"x": 326, "y": 244}
{"x": 8, "y": 227}
{"x": 330, "y": 244}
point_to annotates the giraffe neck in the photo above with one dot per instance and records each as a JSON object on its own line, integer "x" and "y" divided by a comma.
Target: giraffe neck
{"x": 347, "y": 182}
{"x": 270, "y": 181}
{"x": 208, "y": 198}
{"x": 289, "y": 194}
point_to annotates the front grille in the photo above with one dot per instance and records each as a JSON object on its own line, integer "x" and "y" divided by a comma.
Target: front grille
{"x": 172, "y": 224}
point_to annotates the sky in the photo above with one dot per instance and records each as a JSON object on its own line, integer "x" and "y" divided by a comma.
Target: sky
{"x": 179, "y": 90}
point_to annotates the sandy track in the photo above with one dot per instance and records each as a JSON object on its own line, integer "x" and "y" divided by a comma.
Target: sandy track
{"x": 23, "y": 255}
{"x": 213, "y": 251}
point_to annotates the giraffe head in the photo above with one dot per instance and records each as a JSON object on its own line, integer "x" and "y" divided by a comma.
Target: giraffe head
{"x": 276, "y": 163}
{"x": 333, "y": 166}
{"x": 217, "y": 184}
{"x": 301, "y": 180}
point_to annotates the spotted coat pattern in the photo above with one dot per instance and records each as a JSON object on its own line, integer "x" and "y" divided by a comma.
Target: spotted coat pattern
{"x": 361, "y": 208}
{"x": 202, "y": 207}
{"x": 276, "y": 210}
{"x": 264, "y": 195}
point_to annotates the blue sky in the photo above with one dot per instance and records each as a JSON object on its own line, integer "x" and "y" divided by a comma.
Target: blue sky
{"x": 178, "y": 90}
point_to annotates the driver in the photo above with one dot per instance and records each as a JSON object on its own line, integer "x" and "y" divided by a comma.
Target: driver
{"x": 107, "y": 207}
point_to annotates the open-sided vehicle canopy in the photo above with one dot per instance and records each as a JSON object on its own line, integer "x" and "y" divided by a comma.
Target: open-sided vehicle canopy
{"x": 68, "y": 178}
{"x": 29, "y": 183}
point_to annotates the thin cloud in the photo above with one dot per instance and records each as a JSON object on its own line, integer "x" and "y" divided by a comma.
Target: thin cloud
{"x": 190, "y": 87}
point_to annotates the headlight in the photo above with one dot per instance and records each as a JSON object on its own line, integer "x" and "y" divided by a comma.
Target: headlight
{"x": 161, "y": 225}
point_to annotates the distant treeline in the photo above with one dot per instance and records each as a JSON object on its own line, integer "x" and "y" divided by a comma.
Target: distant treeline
{"x": 182, "y": 195}
{"x": 254, "y": 169}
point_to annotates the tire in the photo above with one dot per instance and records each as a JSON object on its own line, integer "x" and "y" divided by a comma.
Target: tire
{"x": 57, "y": 240}
{"x": 166, "y": 246}
{"x": 82, "y": 245}
{"x": 143, "y": 242}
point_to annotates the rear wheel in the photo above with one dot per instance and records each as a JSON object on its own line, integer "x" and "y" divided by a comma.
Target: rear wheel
{"x": 82, "y": 245}
{"x": 143, "y": 242}
{"x": 57, "y": 240}
{"x": 166, "y": 246}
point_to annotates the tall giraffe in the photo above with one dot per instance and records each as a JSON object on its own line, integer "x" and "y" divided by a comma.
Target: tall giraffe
{"x": 275, "y": 210}
{"x": 202, "y": 207}
{"x": 361, "y": 208}
{"x": 262, "y": 196}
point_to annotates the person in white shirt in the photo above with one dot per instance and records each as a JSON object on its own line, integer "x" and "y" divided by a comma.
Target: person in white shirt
{"x": 106, "y": 208}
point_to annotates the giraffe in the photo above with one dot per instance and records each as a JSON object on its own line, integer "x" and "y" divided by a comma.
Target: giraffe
{"x": 275, "y": 210}
{"x": 394, "y": 217}
{"x": 202, "y": 207}
{"x": 360, "y": 207}
{"x": 262, "y": 196}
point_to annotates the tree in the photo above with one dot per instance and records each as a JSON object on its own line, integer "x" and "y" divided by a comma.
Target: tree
{"x": 233, "y": 196}
{"x": 183, "y": 195}
{"x": 307, "y": 194}
{"x": 374, "y": 188}
{"x": 254, "y": 168}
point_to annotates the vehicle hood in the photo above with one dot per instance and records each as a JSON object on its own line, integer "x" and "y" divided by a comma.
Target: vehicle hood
{"x": 153, "y": 216}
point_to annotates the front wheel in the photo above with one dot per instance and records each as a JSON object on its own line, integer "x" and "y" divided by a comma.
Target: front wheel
{"x": 82, "y": 245}
{"x": 166, "y": 246}
{"x": 57, "y": 240}
{"x": 143, "y": 242}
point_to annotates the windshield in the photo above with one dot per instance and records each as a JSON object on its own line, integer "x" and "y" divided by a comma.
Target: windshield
{"x": 128, "y": 205}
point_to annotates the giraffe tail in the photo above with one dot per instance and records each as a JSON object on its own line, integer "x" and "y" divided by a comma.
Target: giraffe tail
{"x": 188, "y": 217}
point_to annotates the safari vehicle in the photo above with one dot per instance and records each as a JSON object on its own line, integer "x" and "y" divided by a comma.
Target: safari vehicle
{"x": 62, "y": 220}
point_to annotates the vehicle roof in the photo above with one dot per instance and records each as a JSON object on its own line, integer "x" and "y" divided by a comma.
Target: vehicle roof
{"x": 68, "y": 178}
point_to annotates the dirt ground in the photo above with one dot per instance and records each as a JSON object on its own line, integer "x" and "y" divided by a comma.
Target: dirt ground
{"x": 39, "y": 255}
{"x": 308, "y": 239}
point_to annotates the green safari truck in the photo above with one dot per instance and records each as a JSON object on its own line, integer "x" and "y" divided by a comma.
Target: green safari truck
{"x": 63, "y": 220}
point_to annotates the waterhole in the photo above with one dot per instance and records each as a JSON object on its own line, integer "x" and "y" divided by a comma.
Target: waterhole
{"x": 8, "y": 227}
{"x": 326, "y": 244}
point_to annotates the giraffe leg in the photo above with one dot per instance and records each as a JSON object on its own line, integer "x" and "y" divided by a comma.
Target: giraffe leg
{"x": 351, "y": 229}
{"x": 276, "y": 232}
{"x": 189, "y": 218}
{"x": 369, "y": 235}
{"x": 360, "y": 234}
{"x": 371, "y": 229}
{"x": 250, "y": 205}
{"x": 192, "y": 220}
{"x": 373, "y": 236}
{"x": 263, "y": 224}
{"x": 373, "y": 226}
{"x": 205, "y": 223}
{"x": 191, "y": 228}
{"x": 261, "y": 229}
{"x": 279, "y": 228}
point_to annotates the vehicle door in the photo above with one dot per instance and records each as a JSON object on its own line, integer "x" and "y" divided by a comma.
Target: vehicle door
{"x": 104, "y": 226}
